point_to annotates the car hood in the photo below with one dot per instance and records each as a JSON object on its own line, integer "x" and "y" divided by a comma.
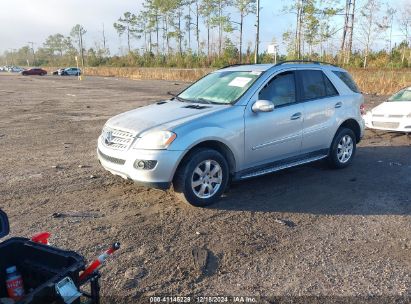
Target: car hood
{"x": 161, "y": 115}
{"x": 393, "y": 108}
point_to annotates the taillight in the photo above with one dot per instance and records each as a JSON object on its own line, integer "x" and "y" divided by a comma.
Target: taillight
{"x": 362, "y": 109}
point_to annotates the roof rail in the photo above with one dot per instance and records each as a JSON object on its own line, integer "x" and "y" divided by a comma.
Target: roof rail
{"x": 233, "y": 65}
{"x": 304, "y": 61}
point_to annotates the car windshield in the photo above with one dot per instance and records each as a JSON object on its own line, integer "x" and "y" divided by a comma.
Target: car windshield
{"x": 223, "y": 87}
{"x": 403, "y": 95}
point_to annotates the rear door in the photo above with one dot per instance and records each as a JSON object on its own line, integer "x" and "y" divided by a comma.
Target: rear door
{"x": 276, "y": 135}
{"x": 321, "y": 101}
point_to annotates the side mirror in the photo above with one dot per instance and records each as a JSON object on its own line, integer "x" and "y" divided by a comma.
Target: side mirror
{"x": 263, "y": 106}
{"x": 4, "y": 224}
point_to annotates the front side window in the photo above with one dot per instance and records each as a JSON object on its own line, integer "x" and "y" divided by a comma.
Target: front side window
{"x": 280, "y": 90}
{"x": 223, "y": 87}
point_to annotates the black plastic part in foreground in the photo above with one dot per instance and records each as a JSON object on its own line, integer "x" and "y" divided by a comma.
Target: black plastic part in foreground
{"x": 41, "y": 267}
{"x": 4, "y": 224}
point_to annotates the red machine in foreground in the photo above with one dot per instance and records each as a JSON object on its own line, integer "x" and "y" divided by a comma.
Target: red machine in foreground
{"x": 49, "y": 274}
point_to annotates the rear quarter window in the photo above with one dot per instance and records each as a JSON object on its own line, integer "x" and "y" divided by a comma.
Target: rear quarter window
{"x": 347, "y": 79}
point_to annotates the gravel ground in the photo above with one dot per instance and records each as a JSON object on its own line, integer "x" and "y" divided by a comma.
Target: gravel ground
{"x": 309, "y": 232}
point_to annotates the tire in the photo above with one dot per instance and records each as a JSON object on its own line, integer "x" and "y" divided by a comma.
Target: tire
{"x": 194, "y": 172}
{"x": 342, "y": 149}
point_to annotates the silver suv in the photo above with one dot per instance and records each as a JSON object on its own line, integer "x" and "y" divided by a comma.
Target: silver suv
{"x": 236, "y": 123}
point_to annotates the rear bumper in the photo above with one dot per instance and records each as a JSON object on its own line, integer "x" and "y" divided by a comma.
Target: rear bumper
{"x": 123, "y": 163}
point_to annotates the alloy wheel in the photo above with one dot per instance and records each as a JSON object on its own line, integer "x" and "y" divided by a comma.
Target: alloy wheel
{"x": 345, "y": 149}
{"x": 207, "y": 178}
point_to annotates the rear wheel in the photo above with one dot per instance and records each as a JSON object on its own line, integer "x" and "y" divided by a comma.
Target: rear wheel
{"x": 202, "y": 178}
{"x": 342, "y": 149}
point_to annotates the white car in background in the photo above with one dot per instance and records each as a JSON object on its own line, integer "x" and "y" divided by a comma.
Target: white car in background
{"x": 393, "y": 114}
{"x": 15, "y": 69}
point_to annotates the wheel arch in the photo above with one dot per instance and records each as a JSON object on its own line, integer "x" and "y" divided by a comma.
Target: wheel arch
{"x": 354, "y": 126}
{"x": 211, "y": 144}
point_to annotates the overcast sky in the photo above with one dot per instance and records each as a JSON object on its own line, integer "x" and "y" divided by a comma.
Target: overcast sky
{"x": 34, "y": 20}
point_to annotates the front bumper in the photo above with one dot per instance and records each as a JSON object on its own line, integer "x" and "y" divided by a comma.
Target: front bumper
{"x": 121, "y": 163}
{"x": 402, "y": 124}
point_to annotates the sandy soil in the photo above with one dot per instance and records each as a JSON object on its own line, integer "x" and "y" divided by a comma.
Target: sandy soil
{"x": 346, "y": 232}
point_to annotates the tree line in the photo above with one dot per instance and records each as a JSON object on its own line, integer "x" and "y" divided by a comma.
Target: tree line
{"x": 201, "y": 33}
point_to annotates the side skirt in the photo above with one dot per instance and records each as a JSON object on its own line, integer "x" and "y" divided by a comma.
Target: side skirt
{"x": 281, "y": 164}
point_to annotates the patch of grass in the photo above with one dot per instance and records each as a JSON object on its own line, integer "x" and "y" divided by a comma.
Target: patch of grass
{"x": 371, "y": 81}
{"x": 381, "y": 81}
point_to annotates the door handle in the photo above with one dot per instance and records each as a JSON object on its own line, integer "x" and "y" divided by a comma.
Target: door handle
{"x": 338, "y": 105}
{"x": 296, "y": 116}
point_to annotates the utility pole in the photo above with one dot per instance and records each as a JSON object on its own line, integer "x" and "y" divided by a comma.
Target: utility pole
{"x": 80, "y": 34}
{"x": 32, "y": 49}
{"x": 257, "y": 38}
{"x": 104, "y": 39}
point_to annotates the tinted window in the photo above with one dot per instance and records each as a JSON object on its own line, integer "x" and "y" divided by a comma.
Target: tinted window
{"x": 330, "y": 90}
{"x": 280, "y": 90}
{"x": 315, "y": 84}
{"x": 347, "y": 79}
{"x": 312, "y": 85}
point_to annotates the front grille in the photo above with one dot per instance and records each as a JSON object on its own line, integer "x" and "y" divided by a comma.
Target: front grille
{"x": 395, "y": 116}
{"x": 111, "y": 159}
{"x": 116, "y": 139}
{"x": 378, "y": 115}
{"x": 384, "y": 124}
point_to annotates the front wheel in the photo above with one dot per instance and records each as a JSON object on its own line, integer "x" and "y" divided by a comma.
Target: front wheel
{"x": 202, "y": 178}
{"x": 342, "y": 149}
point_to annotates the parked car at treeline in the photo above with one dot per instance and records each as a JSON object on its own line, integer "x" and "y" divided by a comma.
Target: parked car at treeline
{"x": 70, "y": 72}
{"x": 58, "y": 71}
{"x": 34, "y": 71}
{"x": 11, "y": 69}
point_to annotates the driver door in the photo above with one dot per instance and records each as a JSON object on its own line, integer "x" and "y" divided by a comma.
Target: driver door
{"x": 276, "y": 135}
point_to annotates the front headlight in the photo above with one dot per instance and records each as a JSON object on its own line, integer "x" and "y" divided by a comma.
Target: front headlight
{"x": 409, "y": 115}
{"x": 156, "y": 140}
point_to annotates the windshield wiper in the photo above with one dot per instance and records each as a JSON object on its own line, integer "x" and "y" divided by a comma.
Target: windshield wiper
{"x": 203, "y": 100}
{"x": 177, "y": 97}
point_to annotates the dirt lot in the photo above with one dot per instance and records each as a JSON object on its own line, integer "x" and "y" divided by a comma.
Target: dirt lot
{"x": 347, "y": 231}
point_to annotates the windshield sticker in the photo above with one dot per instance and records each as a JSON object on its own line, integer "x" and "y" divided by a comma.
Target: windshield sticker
{"x": 255, "y": 73}
{"x": 240, "y": 82}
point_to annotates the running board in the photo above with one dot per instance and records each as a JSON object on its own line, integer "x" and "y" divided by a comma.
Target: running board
{"x": 281, "y": 167}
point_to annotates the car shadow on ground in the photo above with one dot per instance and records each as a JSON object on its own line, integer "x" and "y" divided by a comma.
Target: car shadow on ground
{"x": 374, "y": 184}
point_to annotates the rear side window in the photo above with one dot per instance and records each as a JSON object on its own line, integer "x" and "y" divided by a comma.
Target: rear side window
{"x": 315, "y": 84}
{"x": 347, "y": 79}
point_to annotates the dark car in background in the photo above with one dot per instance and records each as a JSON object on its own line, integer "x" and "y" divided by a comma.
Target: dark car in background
{"x": 34, "y": 71}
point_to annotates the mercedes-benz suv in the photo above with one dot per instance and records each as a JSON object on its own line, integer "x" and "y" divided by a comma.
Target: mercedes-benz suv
{"x": 236, "y": 123}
